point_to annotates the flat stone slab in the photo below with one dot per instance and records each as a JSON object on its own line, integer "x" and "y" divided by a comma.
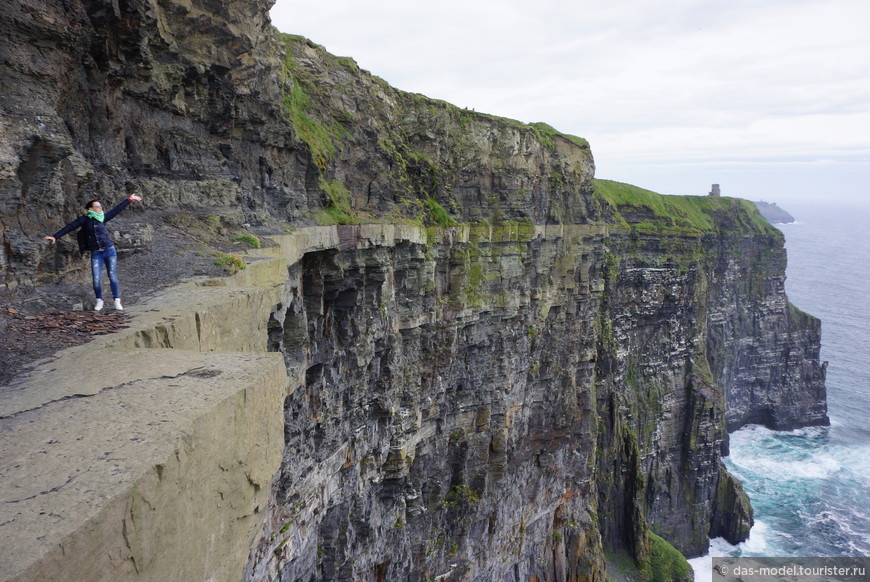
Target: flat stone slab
{"x": 152, "y": 443}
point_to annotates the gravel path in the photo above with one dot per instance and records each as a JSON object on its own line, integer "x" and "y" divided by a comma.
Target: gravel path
{"x": 37, "y": 322}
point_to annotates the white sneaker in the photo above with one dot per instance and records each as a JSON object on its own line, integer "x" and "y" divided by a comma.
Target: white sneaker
{"x": 98, "y": 306}
{"x": 118, "y": 305}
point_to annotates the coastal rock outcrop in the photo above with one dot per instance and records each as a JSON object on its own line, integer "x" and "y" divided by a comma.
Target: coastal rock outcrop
{"x": 774, "y": 213}
{"x": 518, "y": 370}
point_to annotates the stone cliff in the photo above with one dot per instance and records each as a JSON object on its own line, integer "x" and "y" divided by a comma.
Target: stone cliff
{"x": 496, "y": 367}
{"x": 772, "y": 212}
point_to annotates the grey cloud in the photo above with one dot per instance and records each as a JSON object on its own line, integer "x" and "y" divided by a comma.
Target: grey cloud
{"x": 786, "y": 80}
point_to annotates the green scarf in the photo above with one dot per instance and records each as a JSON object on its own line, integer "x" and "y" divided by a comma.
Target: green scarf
{"x": 96, "y": 215}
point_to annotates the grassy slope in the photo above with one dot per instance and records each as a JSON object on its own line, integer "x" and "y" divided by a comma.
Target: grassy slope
{"x": 636, "y": 207}
{"x": 644, "y": 209}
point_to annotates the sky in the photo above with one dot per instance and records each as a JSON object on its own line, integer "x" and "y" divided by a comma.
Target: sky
{"x": 769, "y": 98}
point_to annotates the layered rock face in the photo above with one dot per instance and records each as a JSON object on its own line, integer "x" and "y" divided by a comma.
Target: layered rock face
{"x": 178, "y": 100}
{"x": 506, "y": 402}
{"x": 505, "y": 399}
{"x": 447, "y": 420}
{"x": 766, "y": 357}
{"x": 195, "y": 105}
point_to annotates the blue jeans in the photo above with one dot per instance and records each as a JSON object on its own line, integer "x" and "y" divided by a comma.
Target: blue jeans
{"x": 110, "y": 258}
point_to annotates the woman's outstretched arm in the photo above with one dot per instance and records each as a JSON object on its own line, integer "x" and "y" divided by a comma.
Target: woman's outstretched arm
{"x": 69, "y": 227}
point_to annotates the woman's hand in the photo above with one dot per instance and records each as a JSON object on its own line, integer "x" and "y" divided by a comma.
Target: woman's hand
{"x": 50, "y": 239}
{"x": 135, "y": 197}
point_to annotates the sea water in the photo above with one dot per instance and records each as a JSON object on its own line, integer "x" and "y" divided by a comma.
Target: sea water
{"x": 810, "y": 488}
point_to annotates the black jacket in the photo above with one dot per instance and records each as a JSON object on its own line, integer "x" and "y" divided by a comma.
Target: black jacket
{"x": 97, "y": 235}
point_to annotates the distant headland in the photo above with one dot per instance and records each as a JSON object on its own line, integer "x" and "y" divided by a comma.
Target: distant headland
{"x": 769, "y": 210}
{"x": 773, "y": 213}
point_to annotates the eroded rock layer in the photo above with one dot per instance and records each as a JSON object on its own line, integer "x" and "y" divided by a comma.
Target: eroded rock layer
{"x": 506, "y": 402}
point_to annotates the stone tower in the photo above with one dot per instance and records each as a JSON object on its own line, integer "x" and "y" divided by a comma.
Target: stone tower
{"x": 715, "y": 190}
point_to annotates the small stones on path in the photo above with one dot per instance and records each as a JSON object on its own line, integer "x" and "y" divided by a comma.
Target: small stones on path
{"x": 72, "y": 326}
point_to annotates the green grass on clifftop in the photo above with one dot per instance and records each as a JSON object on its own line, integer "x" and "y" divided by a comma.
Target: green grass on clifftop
{"x": 647, "y": 210}
{"x": 546, "y": 133}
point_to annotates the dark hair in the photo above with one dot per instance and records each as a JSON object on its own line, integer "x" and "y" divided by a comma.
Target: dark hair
{"x": 90, "y": 203}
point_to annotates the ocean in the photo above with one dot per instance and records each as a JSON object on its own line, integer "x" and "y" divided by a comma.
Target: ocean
{"x": 810, "y": 488}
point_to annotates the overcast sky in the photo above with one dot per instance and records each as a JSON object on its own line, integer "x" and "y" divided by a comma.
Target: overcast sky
{"x": 769, "y": 98}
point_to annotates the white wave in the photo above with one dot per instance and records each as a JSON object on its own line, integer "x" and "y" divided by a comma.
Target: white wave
{"x": 758, "y": 544}
{"x": 855, "y": 459}
{"x": 817, "y": 467}
{"x": 814, "y": 467}
{"x": 851, "y": 532}
{"x": 703, "y": 568}
{"x": 859, "y": 541}
{"x": 819, "y": 476}
{"x": 786, "y": 455}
